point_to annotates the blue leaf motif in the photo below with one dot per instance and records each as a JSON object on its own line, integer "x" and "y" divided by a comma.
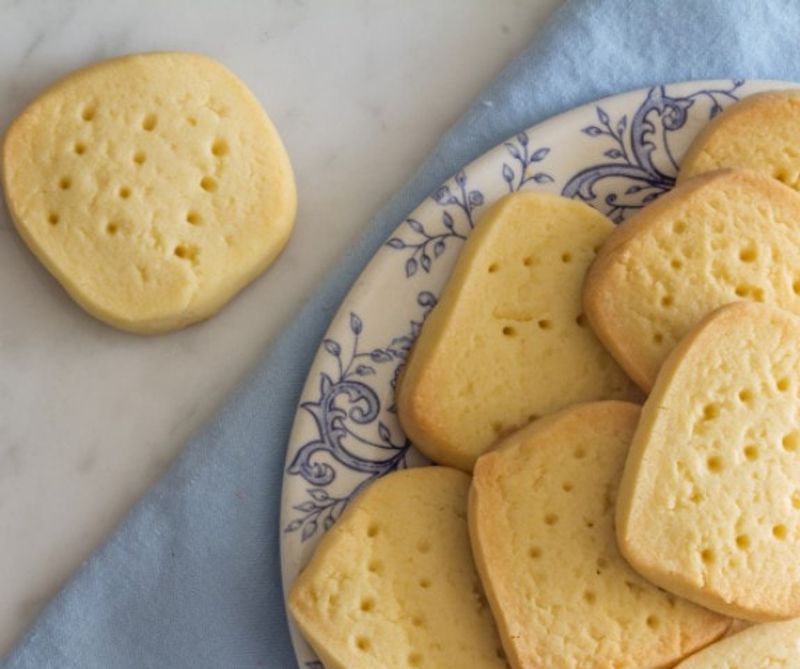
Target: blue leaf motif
{"x": 396, "y": 243}
{"x": 384, "y": 433}
{"x": 318, "y": 495}
{"x": 513, "y": 150}
{"x": 332, "y": 347}
{"x": 411, "y": 267}
{"x": 542, "y": 178}
{"x": 592, "y": 131}
{"x": 539, "y": 154}
{"x": 438, "y": 248}
{"x": 442, "y": 195}
{"x": 508, "y": 173}
{"x": 715, "y": 109}
{"x": 614, "y": 154}
{"x": 365, "y": 370}
{"x": 447, "y": 220}
{"x": 294, "y": 525}
{"x": 602, "y": 116}
{"x": 327, "y": 524}
{"x": 308, "y": 530}
{"x": 426, "y": 299}
{"x": 475, "y": 198}
{"x": 461, "y": 178}
{"x": 522, "y": 138}
{"x": 306, "y": 506}
{"x": 379, "y": 355}
{"x": 416, "y": 226}
{"x": 622, "y": 124}
{"x": 425, "y": 261}
{"x": 634, "y": 189}
{"x": 355, "y": 324}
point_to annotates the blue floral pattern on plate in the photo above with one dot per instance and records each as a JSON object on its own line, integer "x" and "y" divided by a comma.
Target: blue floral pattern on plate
{"x": 617, "y": 155}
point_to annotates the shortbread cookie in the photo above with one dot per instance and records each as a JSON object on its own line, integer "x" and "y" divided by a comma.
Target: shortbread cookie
{"x": 153, "y": 187}
{"x": 709, "y": 506}
{"x": 765, "y": 646}
{"x": 541, "y": 519}
{"x": 762, "y": 133}
{"x": 508, "y": 341}
{"x": 718, "y": 238}
{"x": 393, "y": 583}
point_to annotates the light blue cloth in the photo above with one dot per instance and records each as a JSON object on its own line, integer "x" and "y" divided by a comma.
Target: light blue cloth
{"x": 191, "y": 579}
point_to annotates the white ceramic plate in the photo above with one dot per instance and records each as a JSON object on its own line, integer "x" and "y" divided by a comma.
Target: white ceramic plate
{"x": 617, "y": 154}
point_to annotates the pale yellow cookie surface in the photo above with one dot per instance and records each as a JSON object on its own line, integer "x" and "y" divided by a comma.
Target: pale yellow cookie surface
{"x": 508, "y": 341}
{"x": 718, "y": 238}
{"x": 765, "y": 646}
{"x": 761, "y": 133}
{"x": 393, "y": 583}
{"x": 541, "y": 520}
{"x": 709, "y": 505}
{"x": 153, "y": 187}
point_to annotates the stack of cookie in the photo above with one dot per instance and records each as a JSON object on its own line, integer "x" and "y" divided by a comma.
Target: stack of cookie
{"x": 594, "y": 531}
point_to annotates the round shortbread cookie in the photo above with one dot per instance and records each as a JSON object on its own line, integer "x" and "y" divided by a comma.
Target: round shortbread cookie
{"x": 721, "y": 237}
{"x": 541, "y": 518}
{"x": 765, "y": 646}
{"x": 393, "y": 583}
{"x": 709, "y": 504}
{"x": 508, "y": 341}
{"x": 761, "y": 133}
{"x": 153, "y": 187}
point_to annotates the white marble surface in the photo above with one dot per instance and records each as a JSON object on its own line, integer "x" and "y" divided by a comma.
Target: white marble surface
{"x": 360, "y": 90}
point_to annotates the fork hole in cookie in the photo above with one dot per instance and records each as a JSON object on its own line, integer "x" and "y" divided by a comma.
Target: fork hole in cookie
{"x": 545, "y": 324}
{"x": 534, "y": 552}
{"x": 418, "y": 621}
{"x": 589, "y": 597}
{"x": 551, "y": 519}
{"x": 748, "y": 254}
{"x": 508, "y": 331}
{"x": 53, "y": 218}
{"x": 714, "y": 464}
{"x": 139, "y": 157}
{"x": 751, "y": 452}
{"x": 193, "y": 218}
{"x": 149, "y": 122}
{"x": 112, "y": 228}
{"x": 789, "y": 442}
{"x": 372, "y": 531}
{"x": 208, "y": 184}
{"x": 124, "y": 192}
{"x": 88, "y": 112}
{"x": 363, "y": 644}
{"x": 375, "y": 567}
{"x": 424, "y": 583}
{"x": 567, "y": 486}
{"x": 658, "y": 338}
{"x": 527, "y": 261}
{"x": 679, "y": 227}
{"x": 666, "y": 301}
{"x": 707, "y": 556}
{"x": 65, "y": 183}
{"x": 579, "y": 453}
{"x": 710, "y": 411}
{"x": 676, "y": 264}
{"x": 580, "y": 319}
{"x": 779, "y": 532}
{"x": 566, "y": 257}
{"x": 652, "y": 622}
{"x": 423, "y": 546}
{"x": 219, "y": 148}
{"x": 79, "y": 148}
{"x": 414, "y": 660}
{"x": 745, "y": 395}
{"x": 783, "y": 384}
{"x": 367, "y": 604}
{"x": 493, "y": 268}
{"x": 742, "y": 542}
